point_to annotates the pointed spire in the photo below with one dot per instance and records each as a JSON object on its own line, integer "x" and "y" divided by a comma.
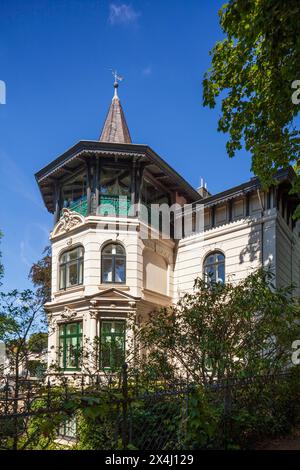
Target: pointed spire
{"x": 115, "y": 128}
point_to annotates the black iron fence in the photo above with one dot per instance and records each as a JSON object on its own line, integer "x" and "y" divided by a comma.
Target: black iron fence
{"x": 122, "y": 412}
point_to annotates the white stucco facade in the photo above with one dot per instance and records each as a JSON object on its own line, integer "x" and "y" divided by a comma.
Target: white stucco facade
{"x": 158, "y": 272}
{"x": 110, "y": 270}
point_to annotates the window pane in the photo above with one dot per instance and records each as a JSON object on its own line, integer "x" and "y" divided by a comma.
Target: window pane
{"x": 79, "y": 351}
{"x": 106, "y": 351}
{"x": 74, "y": 189}
{"x": 118, "y": 351}
{"x": 108, "y": 181}
{"x": 70, "y": 427}
{"x": 72, "y": 274}
{"x": 120, "y": 250}
{"x": 80, "y": 274}
{"x": 107, "y": 249}
{"x": 71, "y": 329}
{"x": 106, "y": 327}
{"x": 210, "y": 273}
{"x": 62, "y": 278}
{"x": 120, "y": 270}
{"x": 63, "y": 258}
{"x": 214, "y": 267}
{"x": 112, "y": 344}
{"x": 221, "y": 273}
{"x": 125, "y": 183}
{"x": 119, "y": 327}
{"x": 70, "y": 345}
{"x": 115, "y": 182}
{"x": 73, "y": 255}
{"x": 210, "y": 259}
{"x": 61, "y": 352}
{"x": 71, "y": 352}
{"x": 107, "y": 270}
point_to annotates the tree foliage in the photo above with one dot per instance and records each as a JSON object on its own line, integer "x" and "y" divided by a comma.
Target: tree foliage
{"x": 20, "y": 317}
{"x": 37, "y": 342}
{"x": 40, "y": 275}
{"x": 222, "y": 331}
{"x": 253, "y": 69}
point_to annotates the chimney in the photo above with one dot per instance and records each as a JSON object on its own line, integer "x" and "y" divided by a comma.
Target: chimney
{"x": 202, "y": 190}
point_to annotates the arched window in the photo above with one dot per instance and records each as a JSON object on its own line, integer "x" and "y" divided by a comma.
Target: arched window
{"x": 71, "y": 268}
{"x": 214, "y": 267}
{"x": 113, "y": 263}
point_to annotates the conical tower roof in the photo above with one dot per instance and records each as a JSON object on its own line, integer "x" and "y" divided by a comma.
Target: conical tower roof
{"x": 115, "y": 129}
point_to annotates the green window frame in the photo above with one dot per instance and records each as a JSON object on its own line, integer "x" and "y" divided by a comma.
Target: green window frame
{"x": 68, "y": 428}
{"x": 70, "y": 346}
{"x": 112, "y": 344}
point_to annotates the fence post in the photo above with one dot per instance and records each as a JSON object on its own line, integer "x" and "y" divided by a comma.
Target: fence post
{"x": 124, "y": 406}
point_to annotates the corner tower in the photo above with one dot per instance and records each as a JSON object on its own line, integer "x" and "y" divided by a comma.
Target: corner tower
{"x": 103, "y": 272}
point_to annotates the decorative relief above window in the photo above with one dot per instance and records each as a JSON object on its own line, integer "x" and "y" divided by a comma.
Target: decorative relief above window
{"x": 67, "y": 222}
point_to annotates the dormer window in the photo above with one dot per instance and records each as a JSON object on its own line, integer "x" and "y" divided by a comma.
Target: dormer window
{"x": 71, "y": 268}
{"x": 113, "y": 264}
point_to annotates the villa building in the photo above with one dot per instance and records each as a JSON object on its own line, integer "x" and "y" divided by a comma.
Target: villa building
{"x": 115, "y": 259}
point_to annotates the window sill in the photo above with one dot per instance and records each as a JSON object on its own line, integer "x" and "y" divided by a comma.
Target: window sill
{"x": 67, "y": 372}
{"x": 65, "y": 441}
{"x": 113, "y": 285}
{"x": 69, "y": 290}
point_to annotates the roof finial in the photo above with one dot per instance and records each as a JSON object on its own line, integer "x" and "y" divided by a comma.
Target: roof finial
{"x": 118, "y": 79}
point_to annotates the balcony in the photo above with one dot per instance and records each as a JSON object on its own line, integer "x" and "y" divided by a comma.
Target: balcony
{"x": 79, "y": 205}
{"x": 112, "y": 205}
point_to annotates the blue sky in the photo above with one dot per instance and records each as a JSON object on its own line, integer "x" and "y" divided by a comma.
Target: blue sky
{"x": 55, "y": 58}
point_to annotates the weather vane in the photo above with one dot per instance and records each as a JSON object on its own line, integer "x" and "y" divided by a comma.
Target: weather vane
{"x": 117, "y": 79}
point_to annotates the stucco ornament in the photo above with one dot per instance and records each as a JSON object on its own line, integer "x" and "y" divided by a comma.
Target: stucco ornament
{"x": 52, "y": 323}
{"x": 69, "y": 220}
{"x": 68, "y": 313}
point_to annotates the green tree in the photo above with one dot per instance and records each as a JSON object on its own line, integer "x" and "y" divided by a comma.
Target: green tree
{"x": 253, "y": 69}
{"x": 221, "y": 331}
{"x": 40, "y": 276}
{"x": 20, "y": 315}
{"x": 37, "y": 342}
